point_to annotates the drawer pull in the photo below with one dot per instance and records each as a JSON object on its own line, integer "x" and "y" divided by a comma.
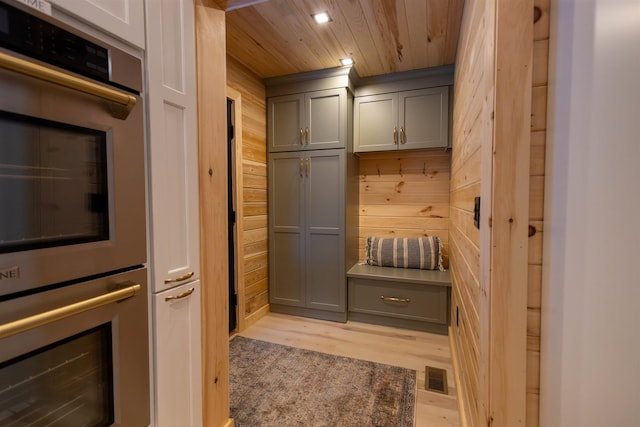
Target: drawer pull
{"x": 394, "y": 299}
{"x": 189, "y": 275}
{"x": 180, "y": 296}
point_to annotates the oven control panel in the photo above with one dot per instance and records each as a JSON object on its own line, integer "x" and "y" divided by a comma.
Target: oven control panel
{"x": 31, "y": 36}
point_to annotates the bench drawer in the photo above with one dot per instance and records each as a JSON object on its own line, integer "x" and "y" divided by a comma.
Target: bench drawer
{"x": 418, "y": 302}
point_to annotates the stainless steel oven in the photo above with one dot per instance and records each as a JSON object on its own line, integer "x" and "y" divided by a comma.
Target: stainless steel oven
{"x": 73, "y": 282}
{"x": 77, "y": 355}
{"x": 72, "y": 170}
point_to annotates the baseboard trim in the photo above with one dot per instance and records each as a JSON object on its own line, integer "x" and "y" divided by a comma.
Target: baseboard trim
{"x": 334, "y": 316}
{"x": 255, "y": 316}
{"x": 456, "y": 375}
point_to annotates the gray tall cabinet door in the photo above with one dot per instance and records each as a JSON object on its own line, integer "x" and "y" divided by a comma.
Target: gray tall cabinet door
{"x": 307, "y": 229}
{"x": 325, "y": 230}
{"x": 287, "y": 228}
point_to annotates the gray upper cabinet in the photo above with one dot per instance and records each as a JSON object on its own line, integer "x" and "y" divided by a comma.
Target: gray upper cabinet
{"x": 307, "y": 121}
{"x": 402, "y": 120}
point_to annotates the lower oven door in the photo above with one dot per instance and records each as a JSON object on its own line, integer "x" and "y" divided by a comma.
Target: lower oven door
{"x": 77, "y": 355}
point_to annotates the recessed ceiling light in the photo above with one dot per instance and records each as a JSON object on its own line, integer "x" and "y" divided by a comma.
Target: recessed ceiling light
{"x": 346, "y": 61}
{"x": 322, "y": 17}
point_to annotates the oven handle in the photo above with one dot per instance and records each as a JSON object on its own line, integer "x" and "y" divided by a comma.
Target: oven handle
{"x": 123, "y": 99}
{"x": 40, "y": 319}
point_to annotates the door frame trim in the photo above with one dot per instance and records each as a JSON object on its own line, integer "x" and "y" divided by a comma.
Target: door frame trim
{"x": 236, "y": 97}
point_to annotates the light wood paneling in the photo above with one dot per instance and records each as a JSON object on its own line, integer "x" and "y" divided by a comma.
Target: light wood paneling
{"x": 253, "y": 235}
{"x": 404, "y": 194}
{"x": 492, "y": 154}
{"x": 471, "y": 116}
{"x": 536, "y": 209}
{"x": 381, "y": 344}
{"x": 212, "y": 170}
{"x": 279, "y": 37}
{"x": 510, "y": 182}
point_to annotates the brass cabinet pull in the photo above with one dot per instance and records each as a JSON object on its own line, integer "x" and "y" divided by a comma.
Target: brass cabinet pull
{"x": 180, "y": 295}
{"x": 189, "y": 275}
{"x": 394, "y": 299}
{"x": 301, "y": 166}
{"x": 126, "y": 101}
{"x": 41, "y": 319}
{"x": 301, "y": 137}
{"x": 402, "y": 141}
{"x": 307, "y": 133}
{"x": 308, "y": 167}
{"x": 395, "y": 135}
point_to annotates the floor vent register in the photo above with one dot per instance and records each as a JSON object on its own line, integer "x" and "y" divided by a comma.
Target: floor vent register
{"x": 436, "y": 380}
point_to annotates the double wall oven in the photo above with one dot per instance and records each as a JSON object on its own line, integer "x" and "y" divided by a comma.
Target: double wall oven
{"x": 73, "y": 291}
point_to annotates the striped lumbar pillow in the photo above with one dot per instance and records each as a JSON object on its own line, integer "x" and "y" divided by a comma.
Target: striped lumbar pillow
{"x": 421, "y": 252}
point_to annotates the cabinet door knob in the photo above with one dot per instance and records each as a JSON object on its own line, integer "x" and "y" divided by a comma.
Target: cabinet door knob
{"x": 301, "y": 137}
{"x": 181, "y": 295}
{"x": 402, "y": 141}
{"x": 395, "y": 135}
{"x": 301, "y": 167}
{"x": 308, "y": 167}
{"x": 307, "y": 133}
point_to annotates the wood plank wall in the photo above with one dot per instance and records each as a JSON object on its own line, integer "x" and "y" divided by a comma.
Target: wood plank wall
{"x": 536, "y": 205}
{"x": 404, "y": 194}
{"x": 489, "y": 389}
{"x": 472, "y": 123}
{"x": 254, "y": 234}
{"x": 212, "y": 170}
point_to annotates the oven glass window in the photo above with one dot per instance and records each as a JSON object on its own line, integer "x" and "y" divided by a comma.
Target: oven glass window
{"x": 69, "y": 383}
{"x": 53, "y": 184}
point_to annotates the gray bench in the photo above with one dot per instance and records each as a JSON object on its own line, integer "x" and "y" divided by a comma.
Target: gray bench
{"x": 401, "y": 297}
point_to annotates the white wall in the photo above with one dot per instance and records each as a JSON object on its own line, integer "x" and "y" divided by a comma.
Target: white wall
{"x": 590, "y": 370}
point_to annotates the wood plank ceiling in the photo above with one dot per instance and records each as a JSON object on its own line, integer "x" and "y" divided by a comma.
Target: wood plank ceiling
{"x": 279, "y": 37}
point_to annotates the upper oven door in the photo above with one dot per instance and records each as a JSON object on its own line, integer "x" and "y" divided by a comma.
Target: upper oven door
{"x": 72, "y": 176}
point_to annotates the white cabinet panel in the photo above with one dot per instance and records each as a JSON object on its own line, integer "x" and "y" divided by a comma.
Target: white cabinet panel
{"x": 178, "y": 360}
{"x": 173, "y": 145}
{"x": 122, "y": 18}
{"x": 173, "y": 43}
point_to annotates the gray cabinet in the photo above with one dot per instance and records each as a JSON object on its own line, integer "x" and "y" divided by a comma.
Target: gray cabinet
{"x": 402, "y": 120}
{"x": 307, "y": 232}
{"x": 401, "y": 297}
{"x": 313, "y": 193}
{"x": 307, "y": 121}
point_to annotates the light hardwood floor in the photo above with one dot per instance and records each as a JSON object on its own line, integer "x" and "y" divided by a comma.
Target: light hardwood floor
{"x": 393, "y": 346}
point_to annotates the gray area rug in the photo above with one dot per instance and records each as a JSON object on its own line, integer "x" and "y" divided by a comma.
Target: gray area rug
{"x": 277, "y": 385}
